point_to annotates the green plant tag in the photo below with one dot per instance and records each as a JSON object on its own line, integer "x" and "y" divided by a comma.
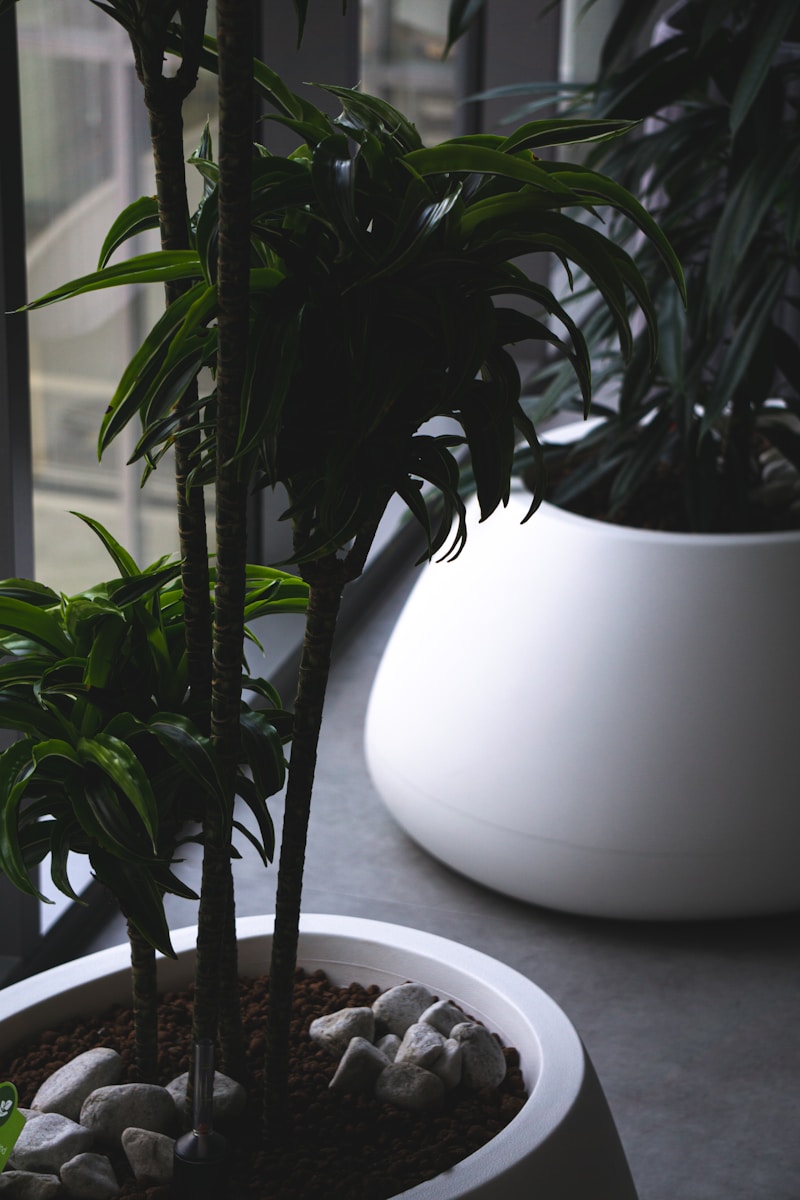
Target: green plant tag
{"x": 12, "y": 1121}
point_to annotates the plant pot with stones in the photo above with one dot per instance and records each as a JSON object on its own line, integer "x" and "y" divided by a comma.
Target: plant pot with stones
{"x": 562, "y": 1142}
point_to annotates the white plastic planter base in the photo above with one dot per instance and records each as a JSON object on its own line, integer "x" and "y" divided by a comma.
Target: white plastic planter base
{"x": 601, "y": 720}
{"x": 563, "y": 1145}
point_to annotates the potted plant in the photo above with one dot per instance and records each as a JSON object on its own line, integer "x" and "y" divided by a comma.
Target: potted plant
{"x": 675, "y": 507}
{"x": 342, "y": 297}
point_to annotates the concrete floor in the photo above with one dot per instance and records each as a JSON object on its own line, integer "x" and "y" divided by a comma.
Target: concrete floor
{"x": 694, "y": 1029}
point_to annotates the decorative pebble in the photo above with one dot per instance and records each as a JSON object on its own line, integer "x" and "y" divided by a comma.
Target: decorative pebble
{"x": 389, "y": 1044}
{"x": 408, "y": 1086}
{"x": 421, "y": 1044}
{"x": 90, "y": 1177}
{"x": 483, "y": 1061}
{"x": 402, "y": 1006}
{"x": 443, "y": 1015}
{"x": 448, "y": 1066}
{"x": 48, "y": 1142}
{"x": 230, "y": 1098}
{"x": 150, "y": 1155}
{"x": 66, "y": 1089}
{"x": 110, "y": 1110}
{"x": 359, "y": 1067}
{"x": 334, "y": 1030}
{"x": 25, "y": 1185}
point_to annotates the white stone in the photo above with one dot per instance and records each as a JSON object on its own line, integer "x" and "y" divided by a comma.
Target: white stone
{"x": 408, "y": 1086}
{"x": 66, "y": 1089}
{"x": 443, "y": 1015}
{"x": 48, "y": 1142}
{"x": 359, "y": 1067}
{"x": 26, "y": 1185}
{"x": 402, "y": 1006}
{"x": 421, "y": 1044}
{"x": 110, "y": 1110}
{"x": 230, "y": 1098}
{"x": 334, "y": 1030}
{"x": 448, "y": 1066}
{"x": 90, "y": 1177}
{"x": 149, "y": 1154}
{"x": 389, "y": 1044}
{"x": 483, "y": 1061}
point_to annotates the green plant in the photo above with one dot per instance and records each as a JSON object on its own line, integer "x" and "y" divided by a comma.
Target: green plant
{"x": 341, "y": 297}
{"x": 716, "y": 162}
{"x": 112, "y": 763}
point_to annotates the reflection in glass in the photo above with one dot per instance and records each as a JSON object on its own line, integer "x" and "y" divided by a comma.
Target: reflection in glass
{"x": 86, "y": 157}
{"x": 402, "y": 42}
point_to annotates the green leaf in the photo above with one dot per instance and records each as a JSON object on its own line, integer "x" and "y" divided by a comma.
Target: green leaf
{"x": 161, "y": 266}
{"x": 15, "y": 766}
{"x": 455, "y": 157}
{"x": 137, "y": 218}
{"x": 137, "y": 379}
{"x": 564, "y": 131}
{"x": 30, "y": 592}
{"x": 773, "y": 24}
{"x": 262, "y": 752}
{"x": 139, "y": 897}
{"x": 17, "y": 616}
{"x": 460, "y": 17}
{"x": 61, "y": 843}
{"x": 116, "y": 760}
{"x": 122, "y": 559}
{"x": 193, "y": 753}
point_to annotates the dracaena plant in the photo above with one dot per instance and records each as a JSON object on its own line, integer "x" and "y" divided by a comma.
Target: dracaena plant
{"x": 381, "y": 289}
{"x": 112, "y": 762}
{"x": 716, "y": 161}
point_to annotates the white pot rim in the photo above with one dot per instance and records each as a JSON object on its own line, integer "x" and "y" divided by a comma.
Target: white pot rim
{"x": 573, "y": 431}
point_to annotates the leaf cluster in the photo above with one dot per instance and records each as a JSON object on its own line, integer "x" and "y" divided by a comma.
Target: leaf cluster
{"x": 716, "y": 162}
{"x": 385, "y": 291}
{"x": 113, "y": 761}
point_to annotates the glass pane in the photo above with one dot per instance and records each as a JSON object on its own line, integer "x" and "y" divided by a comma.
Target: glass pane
{"x": 401, "y": 59}
{"x": 86, "y": 157}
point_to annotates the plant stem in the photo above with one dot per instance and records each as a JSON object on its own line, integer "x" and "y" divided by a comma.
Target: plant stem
{"x": 217, "y": 914}
{"x": 326, "y": 584}
{"x": 145, "y": 1005}
{"x": 164, "y": 99}
{"x": 326, "y": 579}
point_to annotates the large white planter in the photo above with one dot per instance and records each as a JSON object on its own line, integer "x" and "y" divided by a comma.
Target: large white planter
{"x": 601, "y": 720}
{"x": 563, "y": 1145}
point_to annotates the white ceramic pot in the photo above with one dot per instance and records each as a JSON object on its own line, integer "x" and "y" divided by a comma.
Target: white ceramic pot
{"x": 599, "y": 719}
{"x": 563, "y": 1145}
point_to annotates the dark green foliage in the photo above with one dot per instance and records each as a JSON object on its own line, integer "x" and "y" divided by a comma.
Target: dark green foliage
{"x": 380, "y": 275}
{"x": 716, "y": 162}
{"x": 111, "y": 762}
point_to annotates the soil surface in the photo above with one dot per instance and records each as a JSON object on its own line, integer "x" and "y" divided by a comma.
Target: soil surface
{"x": 334, "y": 1147}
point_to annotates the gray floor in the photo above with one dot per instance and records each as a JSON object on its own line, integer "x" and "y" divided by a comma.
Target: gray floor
{"x": 694, "y": 1028}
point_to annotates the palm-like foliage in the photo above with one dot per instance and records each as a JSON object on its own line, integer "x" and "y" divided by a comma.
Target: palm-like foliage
{"x": 112, "y": 763}
{"x": 716, "y": 162}
{"x": 375, "y": 273}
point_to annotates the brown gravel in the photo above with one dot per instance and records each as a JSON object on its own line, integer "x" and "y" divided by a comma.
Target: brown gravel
{"x": 335, "y": 1147}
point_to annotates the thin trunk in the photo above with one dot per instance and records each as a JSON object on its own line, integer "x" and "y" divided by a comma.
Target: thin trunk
{"x": 321, "y": 617}
{"x": 145, "y": 1005}
{"x": 164, "y": 107}
{"x": 164, "y": 102}
{"x": 235, "y": 43}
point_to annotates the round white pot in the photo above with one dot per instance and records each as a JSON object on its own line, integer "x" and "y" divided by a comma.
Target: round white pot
{"x": 563, "y": 1145}
{"x": 599, "y": 719}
